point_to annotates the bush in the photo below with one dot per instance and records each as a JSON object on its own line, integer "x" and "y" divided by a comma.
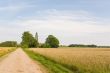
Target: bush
{"x": 45, "y": 46}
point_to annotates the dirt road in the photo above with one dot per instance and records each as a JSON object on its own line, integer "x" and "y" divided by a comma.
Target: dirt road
{"x": 18, "y": 62}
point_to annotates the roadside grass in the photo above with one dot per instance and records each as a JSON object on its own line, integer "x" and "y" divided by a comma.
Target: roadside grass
{"x": 52, "y": 66}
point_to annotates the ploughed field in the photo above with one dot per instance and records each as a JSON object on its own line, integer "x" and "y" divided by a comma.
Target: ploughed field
{"x": 79, "y": 60}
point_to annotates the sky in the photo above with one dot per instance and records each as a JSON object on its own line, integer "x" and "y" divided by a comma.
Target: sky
{"x": 71, "y": 21}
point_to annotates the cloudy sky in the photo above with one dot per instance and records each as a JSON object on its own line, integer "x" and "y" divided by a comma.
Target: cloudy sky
{"x": 72, "y": 21}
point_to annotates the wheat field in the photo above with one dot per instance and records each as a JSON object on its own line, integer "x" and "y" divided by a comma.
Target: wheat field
{"x": 5, "y": 50}
{"x": 80, "y": 60}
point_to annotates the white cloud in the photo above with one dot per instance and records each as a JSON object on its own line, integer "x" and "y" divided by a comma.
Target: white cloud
{"x": 68, "y": 26}
{"x": 15, "y": 8}
{"x": 66, "y": 21}
{"x": 9, "y": 8}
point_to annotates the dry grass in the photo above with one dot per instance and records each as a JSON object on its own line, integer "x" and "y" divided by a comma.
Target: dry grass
{"x": 83, "y": 60}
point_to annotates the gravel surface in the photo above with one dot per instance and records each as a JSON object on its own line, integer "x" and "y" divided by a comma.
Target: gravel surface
{"x": 19, "y": 62}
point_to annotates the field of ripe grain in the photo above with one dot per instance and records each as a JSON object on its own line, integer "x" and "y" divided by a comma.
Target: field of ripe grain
{"x": 80, "y": 60}
{"x": 5, "y": 50}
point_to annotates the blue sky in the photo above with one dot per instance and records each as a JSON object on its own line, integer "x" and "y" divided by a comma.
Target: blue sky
{"x": 72, "y": 21}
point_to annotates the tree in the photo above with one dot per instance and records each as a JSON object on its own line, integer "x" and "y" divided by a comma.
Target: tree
{"x": 52, "y": 41}
{"x": 36, "y": 36}
{"x": 37, "y": 39}
{"x": 28, "y": 41}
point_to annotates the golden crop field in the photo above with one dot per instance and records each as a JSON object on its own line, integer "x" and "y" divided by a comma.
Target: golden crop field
{"x": 89, "y": 60}
{"x": 5, "y": 50}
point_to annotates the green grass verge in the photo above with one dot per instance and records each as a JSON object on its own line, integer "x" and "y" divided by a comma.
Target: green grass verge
{"x": 52, "y": 66}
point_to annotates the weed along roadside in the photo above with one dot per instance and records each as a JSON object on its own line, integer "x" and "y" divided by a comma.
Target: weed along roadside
{"x": 52, "y": 66}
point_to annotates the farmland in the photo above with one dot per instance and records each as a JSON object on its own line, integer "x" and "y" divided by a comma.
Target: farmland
{"x": 79, "y": 60}
{"x": 5, "y": 50}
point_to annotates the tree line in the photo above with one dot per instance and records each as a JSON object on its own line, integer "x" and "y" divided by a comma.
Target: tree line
{"x": 29, "y": 41}
{"x": 91, "y": 46}
{"x": 81, "y": 45}
{"x": 8, "y": 44}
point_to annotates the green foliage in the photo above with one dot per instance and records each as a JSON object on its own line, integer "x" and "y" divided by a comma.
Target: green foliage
{"x": 28, "y": 41}
{"x": 24, "y": 46}
{"x": 44, "y": 46}
{"x": 8, "y": 44}
{"x": 81, "y": 45}
{"x": 52, "y": 41}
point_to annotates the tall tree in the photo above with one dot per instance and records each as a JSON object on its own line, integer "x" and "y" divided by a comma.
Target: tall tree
{"x": 52, "y": 41}
{"x": 36, "y": 37}
{"x": 28, "y": 40}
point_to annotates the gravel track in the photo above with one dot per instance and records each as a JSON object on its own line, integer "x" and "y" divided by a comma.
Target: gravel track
{"x": 19, "y": 62}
